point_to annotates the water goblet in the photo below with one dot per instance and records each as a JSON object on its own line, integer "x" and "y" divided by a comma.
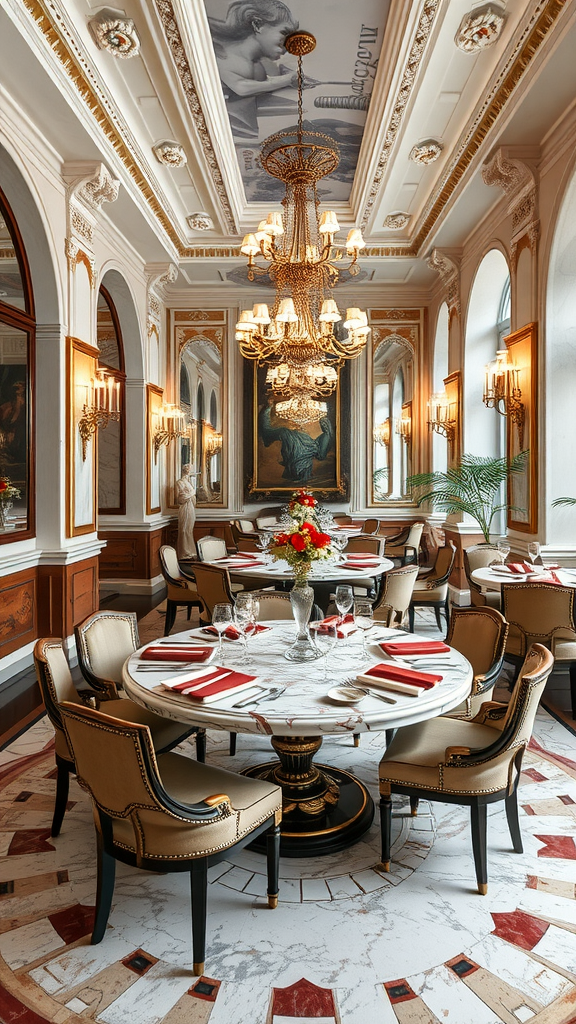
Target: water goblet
{"x": 263, "y": 543}
{"x": 221, "y": 620}
{"x": 344, "y": 599}
{"x": 504, "y": 548}
{"x": 243, "y": 617}
{"x": 534, "y": 551}
{"x": 325, "y": 636}
{"x": 364, "y": 618}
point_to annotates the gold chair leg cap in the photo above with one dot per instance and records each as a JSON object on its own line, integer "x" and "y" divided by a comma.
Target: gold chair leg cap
{"x": 198, "y": 969}
{"x": 414, "y": 813}
{"x": 384, "y": 865}
{"x": 356, "y": 741}
{"x": 273, "y": 902}
{"x": 483, "y": 888}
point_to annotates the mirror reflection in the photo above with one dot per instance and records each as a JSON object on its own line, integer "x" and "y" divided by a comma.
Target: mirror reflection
{"x": 393, "y": 386}
{"x": 201, "y": 397}
{"x": 14, "y": 428}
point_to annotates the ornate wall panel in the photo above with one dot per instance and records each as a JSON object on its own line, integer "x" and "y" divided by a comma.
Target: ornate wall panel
{"x": 129, "y": 555}
{"x": 66, "y": 595}
{"x": 18, "y": 610}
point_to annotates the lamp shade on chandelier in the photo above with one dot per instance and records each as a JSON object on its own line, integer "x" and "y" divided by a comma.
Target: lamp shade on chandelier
{"x": 304, "y": 338}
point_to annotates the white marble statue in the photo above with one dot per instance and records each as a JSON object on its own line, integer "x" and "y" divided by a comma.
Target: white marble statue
{"x": 185, "y": 493}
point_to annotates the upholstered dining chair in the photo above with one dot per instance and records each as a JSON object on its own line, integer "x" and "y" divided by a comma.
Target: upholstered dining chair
{"x": 406, "y": 549}
{"x": 211, "y": 548}
{"x": 478, "y": 556}
{"x": 273, "y": 605}
{"x": 432, "y": 592}
{"x": 165, "y": 813}
{"x": 213, "y": 585}
{"x": 480, "y": 635}
{"x": 365, "y": 542}
{"x": 181, "y": 588}
{"x": 396, "y": 593}
{"x": 371, "y": 526}
{"x": 472, "y": 763}
{"x": 56, "y": 686}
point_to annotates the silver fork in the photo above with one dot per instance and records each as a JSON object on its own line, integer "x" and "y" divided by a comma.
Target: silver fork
{"x": 369, "y": 692}
{"x": 272, "y": 694}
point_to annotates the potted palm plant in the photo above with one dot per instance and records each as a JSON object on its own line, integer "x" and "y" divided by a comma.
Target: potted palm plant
{"x": 472, "y": 486}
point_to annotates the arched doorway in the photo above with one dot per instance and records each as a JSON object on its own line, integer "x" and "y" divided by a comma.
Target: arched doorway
{"x": 112, "y": 439}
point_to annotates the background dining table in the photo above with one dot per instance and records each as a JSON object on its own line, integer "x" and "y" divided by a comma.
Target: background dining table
{"x": 491, "y": 579}
{"x": 325, "y": 809}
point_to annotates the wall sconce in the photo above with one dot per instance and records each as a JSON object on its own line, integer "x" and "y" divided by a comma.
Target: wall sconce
{"x": 102, "y": 405}
{"x": 170, "y": 424}
{"x": 381, "y": 433}
{"x": 404, "y": 426}
{"x": 502, "y": 391}
{"x": 214, "y": 444}
{"x": 442, "y": 417}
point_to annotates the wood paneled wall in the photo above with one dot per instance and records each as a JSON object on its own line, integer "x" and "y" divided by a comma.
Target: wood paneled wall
{"x": 131, "y": 555}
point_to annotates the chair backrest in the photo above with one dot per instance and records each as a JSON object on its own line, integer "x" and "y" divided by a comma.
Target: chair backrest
{"x": 371, "y": 526}
{"x": 273, "y": 606}
{"x": 342, "y": 518}
{"x": 443, "y": 564}
{"x": 170, "y": 566}
{"x": 397, "y": 590}
{"x": 103, "y": 642}
{"x": 414, "y": 535}
{"x": 478, "y": 556}
{"x": 247, "y": 544}
{"x": 536, "y": 612}
{"x": 210, "y": 548}
{"x": 55, "y": 682}
{"x": 245, "y": 525}
{"x": 523, "y": 705}
{"x": 366, "y": 542}
{"x": 479, "y": 634}
{"x": 266, "y": 522}
{"x": 213, "y": 585}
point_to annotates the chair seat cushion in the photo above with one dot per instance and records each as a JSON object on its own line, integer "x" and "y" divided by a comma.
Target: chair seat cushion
{"x": 416, "y": 753}
{"x": 564, "y": 650}
{"x": 423, "y": 595}
{"x": 165, "y": 732}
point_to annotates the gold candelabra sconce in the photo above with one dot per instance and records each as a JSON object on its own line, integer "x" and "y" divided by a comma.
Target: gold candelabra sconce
{"x": 102, "y": 405}
{"x": 442, "y": 418}
{"x": 170, "y": 425}
{"x": 502, "y": 391}
{"x": 381, "y": 434}
{"x": 213, "y": 444}
{"x": 404, "y": 427}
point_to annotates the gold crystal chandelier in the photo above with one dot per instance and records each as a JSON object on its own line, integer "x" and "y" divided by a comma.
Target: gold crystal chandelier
{"x": 303, "y": 339}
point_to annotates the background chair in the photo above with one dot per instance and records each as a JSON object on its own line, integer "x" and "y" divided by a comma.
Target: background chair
{"x": 480, "y": 635}
{"x": 211, "y": 548}
{"x": 365, "y": 543}
{"x": 103, "y": 642}
{"x": 478, "y": 556}
{"x": 56, "y": 685}
{"x": 181, "y": 588}
{"x": 396, "y": 594}
{"x": 432, "y": 592}
{"x": 405, "y": 550}
{"x": 473, "y": 763}
{"x": 165, "y": 814}
{"x": 278, "y": 606}
{"x": 371, "y": 526}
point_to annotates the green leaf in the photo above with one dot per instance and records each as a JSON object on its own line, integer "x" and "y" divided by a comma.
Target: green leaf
{"x": 563, "y": 501}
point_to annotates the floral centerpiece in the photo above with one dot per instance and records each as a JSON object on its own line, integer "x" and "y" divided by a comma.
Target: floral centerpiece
{"x": 8, "y": 494}
{"x": 304, "y": 541}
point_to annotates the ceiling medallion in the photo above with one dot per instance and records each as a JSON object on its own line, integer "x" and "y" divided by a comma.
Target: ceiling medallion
{"x": 302, "y": 339}
{"x": 480, "y": 28}
{"x": 115, "y": 33}
{"x": 426, "y": 152}
{"x": 200, "y": 222}
{"x": 396, "y": 221}
{"x": 170, "y": 153}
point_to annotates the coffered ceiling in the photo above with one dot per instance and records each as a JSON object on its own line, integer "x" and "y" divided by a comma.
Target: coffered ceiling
{"x": 417, "y": 92}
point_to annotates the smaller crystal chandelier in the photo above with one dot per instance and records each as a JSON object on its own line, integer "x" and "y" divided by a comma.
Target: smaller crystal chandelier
{"x": 214, "y": 443}
{"x": 381, "y": 433}
{"x": 502, "y": 390}
{"x": 102, "y": 405}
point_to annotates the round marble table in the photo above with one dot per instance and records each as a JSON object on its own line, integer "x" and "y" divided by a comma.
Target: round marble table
{"x": 490, "y": 580}
{"x": 325, "y": 809}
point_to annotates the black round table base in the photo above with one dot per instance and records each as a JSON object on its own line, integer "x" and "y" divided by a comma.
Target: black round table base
{"x": 341, "y": 824}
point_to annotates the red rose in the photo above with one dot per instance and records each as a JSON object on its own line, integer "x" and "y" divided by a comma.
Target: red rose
{"x": 281, "y": 538}
{"x": 298, "y": 542}
{"x": 309, "y": 527}
{"x": 325, "y": 538}
{"x": 3, "y": 485}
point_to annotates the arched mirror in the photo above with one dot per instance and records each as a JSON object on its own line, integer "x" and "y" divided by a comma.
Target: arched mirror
{"x": 391, "y": 416}
{"x": 201, "y": 399}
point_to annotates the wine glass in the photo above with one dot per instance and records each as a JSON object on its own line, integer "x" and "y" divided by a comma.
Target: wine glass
{"x": 221, "y": 620}
{"x": 344, "y": 599}
{"x": 504, "y": 548}
{"x": 363, "y": 617}
{"x": 338, "y": 542}
{"x": 263, "y": 543}
{"x": 325, "y": 637}
{"x": 243, "y": 616}
{"x": 534, "y": 551}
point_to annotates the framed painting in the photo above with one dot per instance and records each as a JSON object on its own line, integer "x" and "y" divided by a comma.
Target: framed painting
{"x": 287, "y": 455}
{"x": 522, "y": 429}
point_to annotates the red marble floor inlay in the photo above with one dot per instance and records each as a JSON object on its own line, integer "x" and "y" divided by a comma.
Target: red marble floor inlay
{"x": 303, "y": 999}
{"x": 205, "y": 988}
{"x": 533, "y": 775}
{"x": 520, "y": 929}
{"x": 139, "y": 961}
{"x": 557, "y": 847}
{"x": 73, "y": 922}
{"x": 566, "y": 800}
{"x": 531, "y": 881}
{"x": 559, "y": 758}
{"x": 30, "y": 840}
{"x": 15, "y": 1012}
{"x": 399, "y": 991}
{"x": 462, "y": 966}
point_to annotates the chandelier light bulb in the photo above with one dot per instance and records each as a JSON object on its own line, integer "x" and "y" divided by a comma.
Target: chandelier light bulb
{"x": 274, "y": 224}
{"x": 355, "y": 240}
{"x": 355, "y": 319}
{"x": 263, "y": 233}
{"x": 286, "y": 313}
{"x": 260, "y": 313}
{"x": 329, "y": 314}
{"x": 250, "y": 246}
{"x": 328, "y": 223}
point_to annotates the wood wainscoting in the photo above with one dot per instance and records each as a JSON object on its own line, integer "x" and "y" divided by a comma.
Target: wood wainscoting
{"x": 131, "y": 554}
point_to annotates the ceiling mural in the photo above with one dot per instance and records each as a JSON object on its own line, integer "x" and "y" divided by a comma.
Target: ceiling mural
{"x": 259, "y": 79}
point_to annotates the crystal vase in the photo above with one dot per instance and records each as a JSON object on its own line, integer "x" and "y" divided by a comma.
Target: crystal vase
{"x": 301, "y": 599}
{"x": 5, "y": 507}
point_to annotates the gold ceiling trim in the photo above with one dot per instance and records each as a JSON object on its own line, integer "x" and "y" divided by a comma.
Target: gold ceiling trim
{"x": 491, "y": 110}
{"x": 172, "y": 35}
{"x": 423, "y": 31}
{"x": 233, "y": 252}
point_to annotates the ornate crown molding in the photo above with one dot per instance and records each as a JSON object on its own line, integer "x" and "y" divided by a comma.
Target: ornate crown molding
{"x": 448, "y": 266}
{"x": 518, "y": 182}
{"x": 158, "y": 276}
{"x": 480, "y": 28}
{"x": 88, "y": 186}
{"x": 200, "y": 222}
{"x": 170, "y": 153}
{"x": 114, "y": 33}
{"x": 396, "y": 221}
{"x": 76, "y": 255}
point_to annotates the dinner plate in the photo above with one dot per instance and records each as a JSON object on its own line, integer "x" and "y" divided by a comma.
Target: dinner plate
{"x": 345, "y": 694}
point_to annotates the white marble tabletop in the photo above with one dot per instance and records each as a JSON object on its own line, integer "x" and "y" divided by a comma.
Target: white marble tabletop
{"x": 303, "y": 709}
{"x": 323, "y": 572}
{"x": 491, "y": 580}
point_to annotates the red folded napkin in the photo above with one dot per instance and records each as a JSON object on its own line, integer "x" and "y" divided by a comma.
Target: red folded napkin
{"x": 167, "y": 653}
{"x": 359, "y": 565}
{"x": 362, "y": 556}
{"x": 414, "y": 647}
{"x": 233, "y": 633}
{"x": 394, "y": 677}
{"x": 345, "y": 625}
{"x": 550, "y": 577}
{"x": 521, "y": 568}
{"x": 210, "y": 686}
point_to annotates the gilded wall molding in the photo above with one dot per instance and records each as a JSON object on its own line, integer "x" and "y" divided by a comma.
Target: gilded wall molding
{"x": 76, "y": 255}
{"x": 448, "y": 266}
{"x": 394, "y": 314}
{"x": 520, "y": 185}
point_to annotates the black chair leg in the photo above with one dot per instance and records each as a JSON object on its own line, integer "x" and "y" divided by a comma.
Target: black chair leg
{"x": 511, "y": 804}
{"x": 201, "y": 745}
{"x": 189, "y": 612}
{"x": 171, "y": 609}
{"x": 572, "y": 671}
{"x": 62, "y": 787}
{"x": 411, "y": 618}
{"x": 104, "y": 889}
{"x": 478, "y": 822}
{"x": 437, "y": 614}
{"x": 273, "y": 864}
{"x": 198, "y": 889}
{"x": 390, "y": 734}
{"x": 232, "y": 744}
{"x": 414, "y": 801}
{"x": 447, "y": 612}
{"x": 386, "y": 829}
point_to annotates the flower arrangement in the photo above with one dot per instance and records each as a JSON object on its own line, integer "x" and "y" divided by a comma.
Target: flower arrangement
{"x": 7, "y": 491}
{"x": 304, "y": 541}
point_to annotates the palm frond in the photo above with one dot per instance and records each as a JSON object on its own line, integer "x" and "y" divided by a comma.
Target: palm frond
{"x": 563, "y": 501}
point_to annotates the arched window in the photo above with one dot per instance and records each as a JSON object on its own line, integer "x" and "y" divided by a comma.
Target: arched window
{"x": 484, "y": 432}
{"x": 111, "y": 439}
{"x": 17, "y": 339}
{"x": 440, "y": 372}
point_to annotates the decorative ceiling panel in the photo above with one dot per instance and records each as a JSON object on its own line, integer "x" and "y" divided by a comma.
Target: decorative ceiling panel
{"x": 259, "y": 84}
